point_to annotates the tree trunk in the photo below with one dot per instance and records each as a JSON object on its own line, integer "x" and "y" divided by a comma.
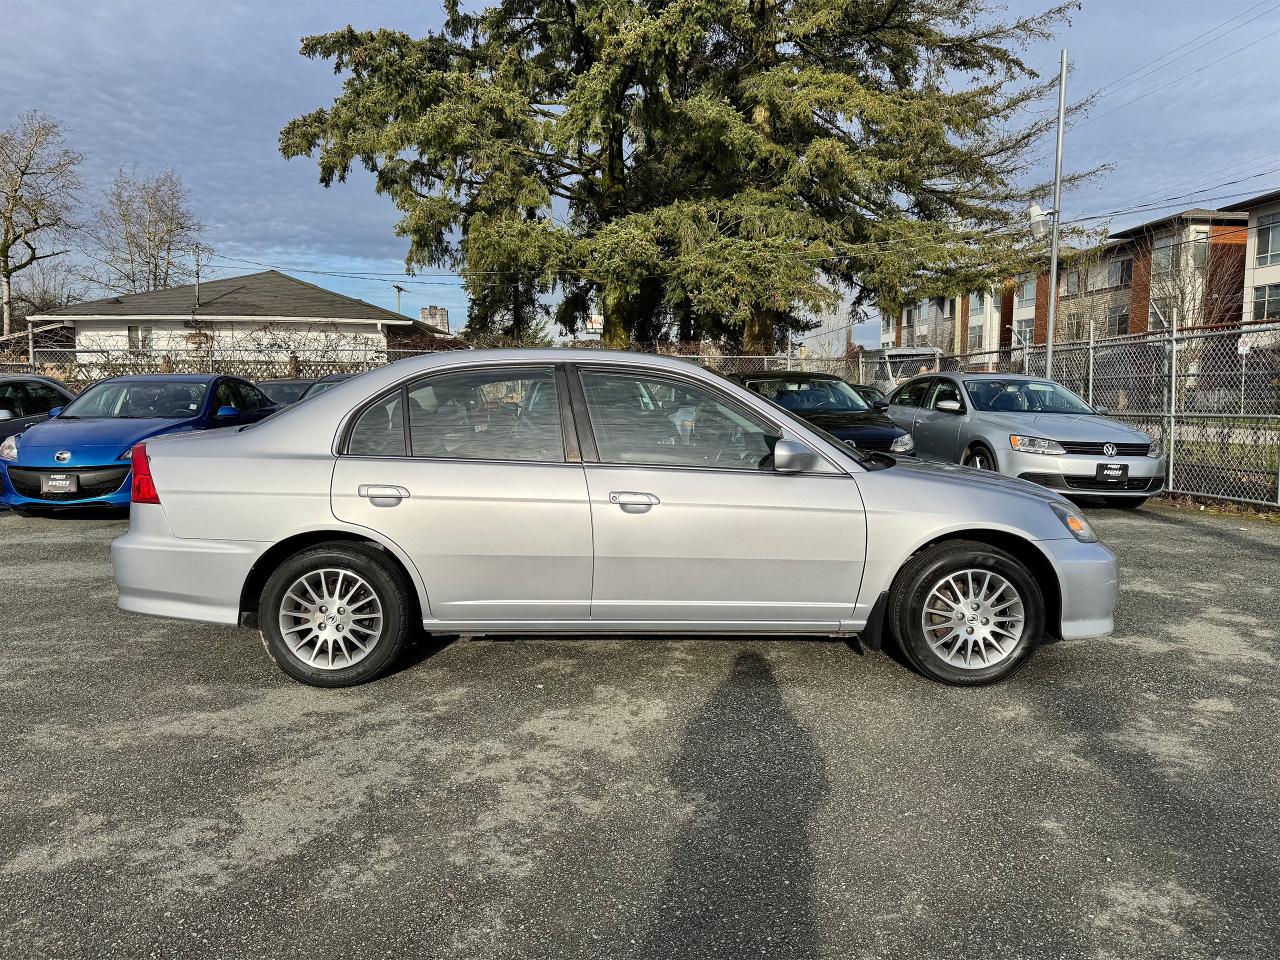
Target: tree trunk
{"x": 616, "y": 308}
{"x": 757, "y": 335}
{"x": 6, "y": 298}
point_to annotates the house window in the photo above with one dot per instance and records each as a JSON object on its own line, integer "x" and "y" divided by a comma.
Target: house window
{"x": 1200, "y": 248}
{"x": 1162, "y": 255}
{"x": 975, "y": 337}
{"x": 1266, "y": 302}
{"x": 1076, "y": 326}
{"x": 1268, "y": 251}
{"x": 1163, "y": 313}
{"x": 1026, "y": 290}
{"x": 139, "y": 338}
{"x": 976, "y": 303}
{"x": 1071, "y": 283}
{"x": 1118, "y": 320}
{"x": 1120, "y": 272}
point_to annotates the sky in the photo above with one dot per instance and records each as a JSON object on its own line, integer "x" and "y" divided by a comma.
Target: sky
{"x": 204, "y": 88}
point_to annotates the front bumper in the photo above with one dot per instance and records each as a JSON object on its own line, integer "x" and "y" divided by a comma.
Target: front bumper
{"x": 1076, "y": 474}
{"x": 112, "y": 492}
{"x": 1089, "y": 580}
{"x": 159, "y": 574}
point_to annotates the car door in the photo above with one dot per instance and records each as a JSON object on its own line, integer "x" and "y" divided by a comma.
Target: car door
{"x": 14, "y": 400}
{"x": 472, "y": 474}
{"x": 904, "y": 403}
{"x": 937, "y": 432}
{"x": 691, "y": 523}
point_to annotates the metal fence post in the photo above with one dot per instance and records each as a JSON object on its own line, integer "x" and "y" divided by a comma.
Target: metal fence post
{"x": 1090, "y": 375}
{"x": 1173, "y": 397}
{"x": 31, "y": 346}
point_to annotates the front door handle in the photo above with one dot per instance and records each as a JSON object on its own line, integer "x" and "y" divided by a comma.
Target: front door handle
{"x": 633, "y": 501}
{"x": 383, "y": 495}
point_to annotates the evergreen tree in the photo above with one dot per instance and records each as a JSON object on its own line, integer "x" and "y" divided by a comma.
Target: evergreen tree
{"x": 720, "y": 167}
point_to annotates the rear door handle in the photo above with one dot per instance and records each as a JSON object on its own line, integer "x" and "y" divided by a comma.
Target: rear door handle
{"x": 383, "y": 495}
{"x": 633, "y": 501}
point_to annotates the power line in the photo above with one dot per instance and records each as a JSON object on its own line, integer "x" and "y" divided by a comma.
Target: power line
{"x": 1163, "y": 86}
{"x": 1118, "y": 84}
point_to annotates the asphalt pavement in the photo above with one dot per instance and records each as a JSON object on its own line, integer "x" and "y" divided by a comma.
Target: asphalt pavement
{"x": 167, "y": 793}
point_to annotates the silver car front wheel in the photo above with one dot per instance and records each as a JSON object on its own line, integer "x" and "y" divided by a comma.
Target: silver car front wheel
{"x": 973, "y": 618}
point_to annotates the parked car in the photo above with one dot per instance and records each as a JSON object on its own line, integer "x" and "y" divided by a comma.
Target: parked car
{"x": 873, "y": 395}
{"x": 284, "y": 392}
{"x": 584, "y": 491}
{"x": 26, "y": 400}
{"x": 1029, "y": 428}
{"x": 80, "y": 455}
{"x": 828, "y": 402}
{"x": 324, "y": 384}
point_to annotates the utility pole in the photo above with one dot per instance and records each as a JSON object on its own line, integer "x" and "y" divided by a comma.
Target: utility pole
{"x": 1057, "y": 217}
{"x": 399, "y": 290}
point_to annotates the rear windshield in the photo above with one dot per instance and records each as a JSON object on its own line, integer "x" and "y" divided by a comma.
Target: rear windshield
{"x": 810, "y": 395}
{"x": 138, "y": 400}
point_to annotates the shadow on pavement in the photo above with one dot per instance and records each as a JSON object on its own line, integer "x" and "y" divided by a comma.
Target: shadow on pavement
{"x": 741, "y": 882}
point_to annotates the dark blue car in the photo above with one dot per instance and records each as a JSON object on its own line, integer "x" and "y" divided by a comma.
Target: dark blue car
{"x": 80, "y": 456}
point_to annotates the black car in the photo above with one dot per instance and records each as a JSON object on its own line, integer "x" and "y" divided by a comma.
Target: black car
{"x": 27, "y": 399}
{"x": 830, "y": 403}
{"x": 324, "y": 384}
{"x": 284, "y": 392}
{"x": 873, "y": 395}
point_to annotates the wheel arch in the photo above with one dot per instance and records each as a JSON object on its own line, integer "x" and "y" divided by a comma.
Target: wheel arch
{"x": 985, "y": 445}
{"x": 266, "y": 564}
{"x": 1023, "y": 550}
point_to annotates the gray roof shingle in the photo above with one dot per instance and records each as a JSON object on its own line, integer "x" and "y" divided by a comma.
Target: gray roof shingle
{"x": 255, "y": 295}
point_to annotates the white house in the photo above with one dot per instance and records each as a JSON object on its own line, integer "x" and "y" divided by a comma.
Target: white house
{"x": 268, "y": 313}
{"x": 1262, "y": 257}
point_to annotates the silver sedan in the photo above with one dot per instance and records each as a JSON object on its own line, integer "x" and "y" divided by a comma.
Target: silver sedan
{"x": 570, "y": 491}
{"x": 1029, "y": 428}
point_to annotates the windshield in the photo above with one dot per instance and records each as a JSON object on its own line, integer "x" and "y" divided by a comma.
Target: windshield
{"x": 1024, "y": 396}
{"x": 319, "y": 387}
{"x": 284, "y": 391}
{"x": 810, "y": 396}
{"x": 138, "y": 400}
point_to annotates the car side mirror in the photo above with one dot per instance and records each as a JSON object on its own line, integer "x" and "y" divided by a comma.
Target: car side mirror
{"x": 950, "y": 406}
{"x": 1100, "y": 409}
{"x": 6, "y": 415}
{"x": 226, "y": 413}
{"x": 880, "y": 405}
{"x": 790, "y": 456}
{"x": 53, "y": 412}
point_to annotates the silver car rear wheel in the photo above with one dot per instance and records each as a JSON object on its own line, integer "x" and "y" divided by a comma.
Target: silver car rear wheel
{"x": 973, "y": 618}
{"x": 330, "y": 619}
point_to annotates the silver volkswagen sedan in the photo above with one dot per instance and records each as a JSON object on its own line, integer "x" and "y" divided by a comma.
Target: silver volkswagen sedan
{"x": 568, "y": 491}
{"x": 1030, "y": 428}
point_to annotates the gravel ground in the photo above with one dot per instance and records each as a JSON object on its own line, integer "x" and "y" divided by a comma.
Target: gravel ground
{"x": 167, "y": 793}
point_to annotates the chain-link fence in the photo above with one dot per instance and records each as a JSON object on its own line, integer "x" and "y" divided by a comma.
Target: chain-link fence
{"x": 1210, "y": 398}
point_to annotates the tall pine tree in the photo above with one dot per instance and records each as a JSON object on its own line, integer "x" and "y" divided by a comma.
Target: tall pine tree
{"x": 717, "y": 167}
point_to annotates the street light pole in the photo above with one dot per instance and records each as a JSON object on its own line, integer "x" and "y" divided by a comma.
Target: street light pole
{"x": 1057, "y": 217}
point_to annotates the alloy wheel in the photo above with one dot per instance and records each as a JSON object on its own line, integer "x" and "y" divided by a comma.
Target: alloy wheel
{"x": 330, "y": 619}
{"x": 973, "y": 618}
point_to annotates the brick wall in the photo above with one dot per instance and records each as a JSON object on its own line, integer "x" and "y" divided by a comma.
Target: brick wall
{"x": 1005, "y": 333}
{"x": 1224, "y": 273}
{"x": 1140, "y": 290}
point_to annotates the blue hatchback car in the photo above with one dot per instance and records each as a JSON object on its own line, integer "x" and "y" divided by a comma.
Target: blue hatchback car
{"x": 80, "y": 455}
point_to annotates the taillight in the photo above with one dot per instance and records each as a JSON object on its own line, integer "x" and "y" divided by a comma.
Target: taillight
{"x": 144, "y": 488}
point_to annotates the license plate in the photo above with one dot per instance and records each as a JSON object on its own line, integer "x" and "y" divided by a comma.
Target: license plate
{"x": 1113, "y": 472}
{"x": 59, "y": 483}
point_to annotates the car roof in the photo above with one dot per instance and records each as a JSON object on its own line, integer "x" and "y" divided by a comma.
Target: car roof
{"x": 782, "y": 375}
{"x": 165, "y": 377}
{"x": 10, "y": 377}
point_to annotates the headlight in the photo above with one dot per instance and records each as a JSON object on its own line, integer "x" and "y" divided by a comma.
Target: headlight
{"x": 903, "y": 444}
{"x": 1077, "y": 524}
{"x": 9, "y": 448}
{"x": 1035, "y": 445}
{"x": 1154, "y": 451}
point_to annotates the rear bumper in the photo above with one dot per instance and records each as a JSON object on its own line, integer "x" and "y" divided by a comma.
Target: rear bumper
{"x": 1089, "y": 580}
{"x": 158, "y": 574}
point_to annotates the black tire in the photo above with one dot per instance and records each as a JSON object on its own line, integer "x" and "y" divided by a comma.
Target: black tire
{"x": 384, "y": 579}
{"x": 1128, "y": 503}
{"x": 980, "y": 457}
{"x": 923, "y": 572}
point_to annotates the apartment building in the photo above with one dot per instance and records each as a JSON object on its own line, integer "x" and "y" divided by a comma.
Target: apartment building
{"x": 1261, "y": 293}
{"x": 1184, "y": 270}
